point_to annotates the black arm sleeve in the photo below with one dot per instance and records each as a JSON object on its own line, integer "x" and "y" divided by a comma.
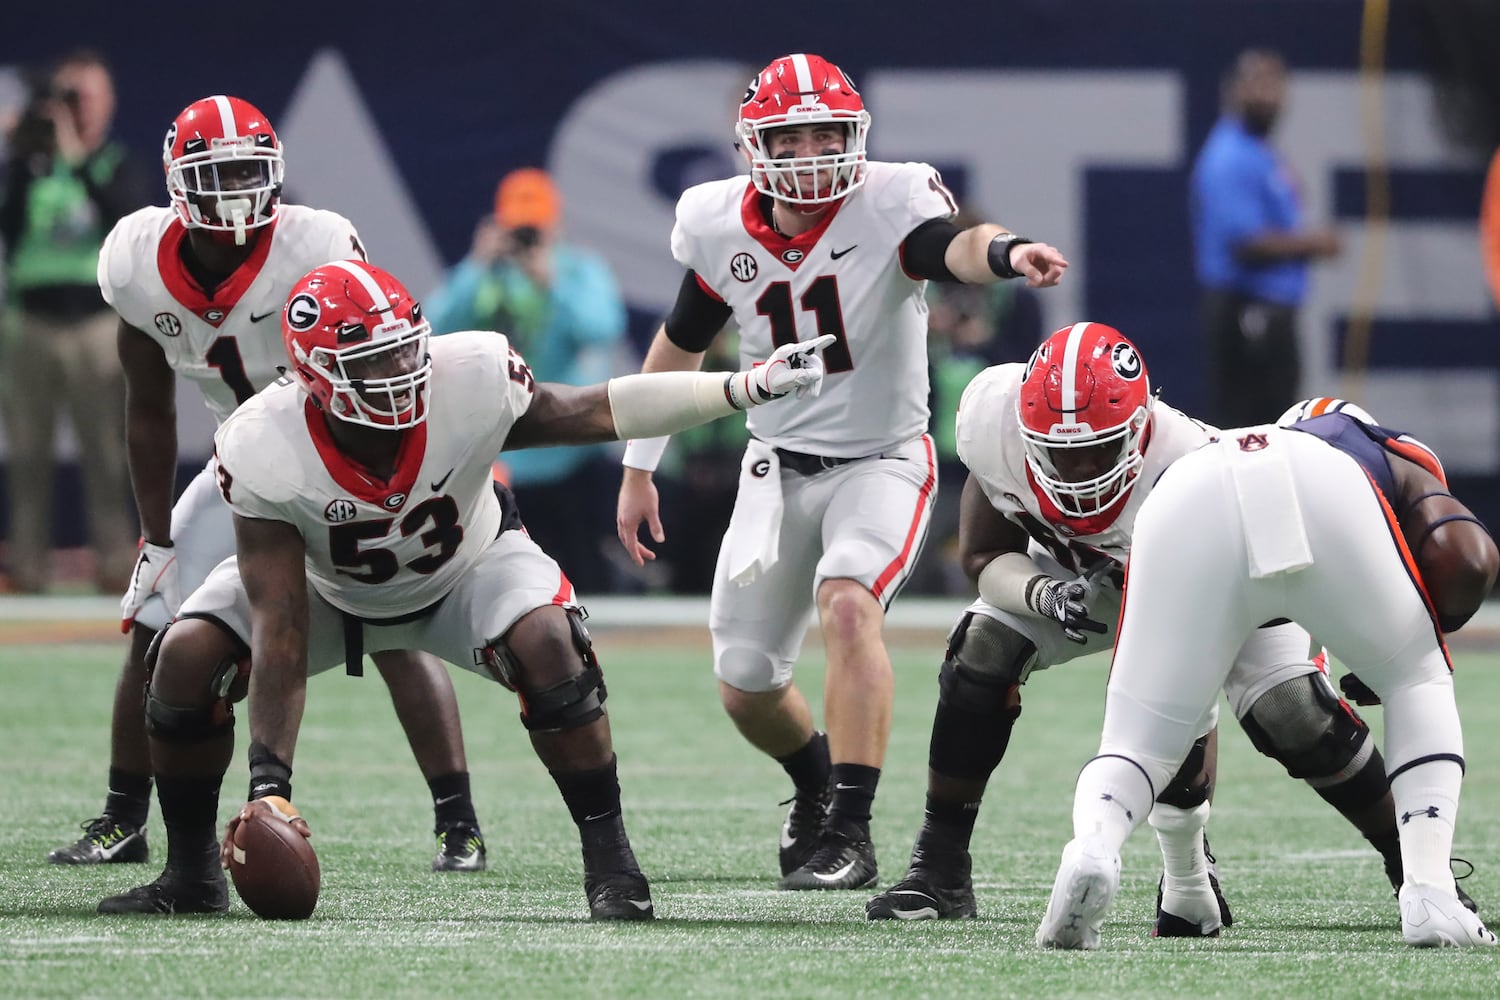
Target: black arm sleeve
{"x": 923, "y": 249}
{"x": 696, "y": 317}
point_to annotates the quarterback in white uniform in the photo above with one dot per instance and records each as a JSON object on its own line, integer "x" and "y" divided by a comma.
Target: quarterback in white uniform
{"x": 1332, "y": 522}
{"x": 835, "y": 498}
{"x": 1062, "y": 453}
{"x": 365, "y": 518}
{"x": 199, "y": 289}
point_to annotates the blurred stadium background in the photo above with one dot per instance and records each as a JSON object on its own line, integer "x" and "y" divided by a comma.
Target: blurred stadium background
{"x": 1073, "y": 122}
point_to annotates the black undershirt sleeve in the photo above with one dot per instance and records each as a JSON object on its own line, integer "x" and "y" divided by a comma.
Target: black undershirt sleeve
{"x": 696, "y": 317}
{"x": 924, "y": 247}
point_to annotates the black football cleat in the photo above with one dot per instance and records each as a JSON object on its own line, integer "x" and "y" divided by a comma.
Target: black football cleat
{"x": 618, "y": 896}
{"x": 933, "y": 889}
{"x": 802, "y": 829}
{"x": 840, "y": 862}
{"x": 105, "y": 841}
{"x": 172, "y": 893}
{"x": 1196, "y": 924}
{"x": 460, "y": 848}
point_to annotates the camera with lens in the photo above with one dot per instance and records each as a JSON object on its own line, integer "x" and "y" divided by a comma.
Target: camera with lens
{"x": 36, "y": 130}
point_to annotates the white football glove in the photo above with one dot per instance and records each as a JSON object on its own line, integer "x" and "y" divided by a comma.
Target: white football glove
{"x": 155, "y": 573}
{"x": 791, "y": 367}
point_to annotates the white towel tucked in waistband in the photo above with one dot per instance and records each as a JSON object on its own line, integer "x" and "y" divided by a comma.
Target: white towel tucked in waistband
{"x": 1275, "y": 535}
{"x": 755, "y": 528}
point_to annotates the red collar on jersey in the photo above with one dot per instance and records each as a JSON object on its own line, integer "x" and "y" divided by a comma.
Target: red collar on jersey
{"x": 776, "y": 245}
{"x": 212, "y": 309}
{"x": 391, "y": 493}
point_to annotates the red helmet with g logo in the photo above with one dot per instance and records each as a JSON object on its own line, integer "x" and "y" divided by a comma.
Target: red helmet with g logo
{"x": 1083, "y": 408}
{"x": 358, "y": 344}
{"x": 224, "y": 166}
{"x": 803, "y": 89}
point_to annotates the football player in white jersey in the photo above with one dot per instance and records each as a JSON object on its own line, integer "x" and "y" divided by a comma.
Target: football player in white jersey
{"x": 1349, "y": 529}
{"x": 199, "y": 288}
{"x": 365, "y": 518}
{"x": 1062, "y": 452}
{"x": 835, "y": 497}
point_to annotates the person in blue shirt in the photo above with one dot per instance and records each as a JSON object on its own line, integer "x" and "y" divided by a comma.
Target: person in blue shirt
{"x": 561, "y": 307}
{"x": 1252, "y": 249}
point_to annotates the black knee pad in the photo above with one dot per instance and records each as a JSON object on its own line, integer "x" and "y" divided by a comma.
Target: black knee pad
{"x": 228, "y": 683}
{"x": 1302, "y": 724}
{"x": 1184, "y": 790}
{"x": 990, "y": 649}
{"x": 986, "y": 662}
{"x": 568, "y": 704}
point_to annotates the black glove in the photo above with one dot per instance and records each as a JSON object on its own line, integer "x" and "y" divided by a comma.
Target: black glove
{"x": 1063, "y": 602}
{"x": 1357, "y": 691}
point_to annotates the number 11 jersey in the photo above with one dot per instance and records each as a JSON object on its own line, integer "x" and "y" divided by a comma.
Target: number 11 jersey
{"x": 845, "y": 277}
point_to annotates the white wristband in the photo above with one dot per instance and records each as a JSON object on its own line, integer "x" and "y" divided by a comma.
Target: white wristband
{"x": 644, "y": 453}
{"x": 1003, "y": 582}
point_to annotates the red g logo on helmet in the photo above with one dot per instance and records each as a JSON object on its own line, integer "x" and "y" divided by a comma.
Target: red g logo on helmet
{"x": 803, "y": 89}
{"x": 224, "y": 166}
{"x": 358, "y": 344}
{"x": 1083, "y": 408}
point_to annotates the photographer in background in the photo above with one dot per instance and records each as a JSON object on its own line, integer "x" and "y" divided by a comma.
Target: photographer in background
{"x": 66, "y": 185}
{"x": 561, "y": 308}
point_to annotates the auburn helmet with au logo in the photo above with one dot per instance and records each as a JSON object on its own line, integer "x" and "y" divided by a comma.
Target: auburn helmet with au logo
{"x": 803, "y": 89}
{"x": 224, "y": 166}
{"x": 1083, "y": 409}
{"x": 358, "y": 344}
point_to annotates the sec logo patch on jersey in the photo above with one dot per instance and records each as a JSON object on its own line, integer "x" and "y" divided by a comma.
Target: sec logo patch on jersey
{"x": 339, "y": 511}
{"x": 167, "y": 324}
{"x": 743, "y": 267}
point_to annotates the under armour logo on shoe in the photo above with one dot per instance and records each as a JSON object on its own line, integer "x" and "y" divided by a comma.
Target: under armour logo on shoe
{"x": 1431, "y": 812}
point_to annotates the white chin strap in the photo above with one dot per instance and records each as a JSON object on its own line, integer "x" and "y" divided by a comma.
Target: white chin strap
{"x": 234, "y": 211}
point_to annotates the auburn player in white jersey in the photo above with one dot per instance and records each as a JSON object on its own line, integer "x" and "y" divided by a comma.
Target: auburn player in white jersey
{"x": 365, "y": 519}
{"x": 1062, "y": 452}
{"x": 835, "y": 499}
{"x": 199, "y": 289}
{"x": 1349, "y": 529}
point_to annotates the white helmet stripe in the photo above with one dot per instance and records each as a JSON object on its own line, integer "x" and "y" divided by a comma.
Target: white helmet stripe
{"x": 804, "y": 73}
{"x": 1070, "y": 374}
{"x": 368, "y": 281}
{"x": 226, "y": 116}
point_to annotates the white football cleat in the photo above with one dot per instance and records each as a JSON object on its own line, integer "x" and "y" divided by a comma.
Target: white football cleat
{"x": 1085, "y": 886}
{"x": 1432, "y": 917}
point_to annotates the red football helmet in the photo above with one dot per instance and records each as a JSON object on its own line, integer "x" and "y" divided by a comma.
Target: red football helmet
{"x": 1083, "y": 408}
{"x": 224, "y": 166}
{"x": 803, "y": 89}
{"x": 358, "y": 344}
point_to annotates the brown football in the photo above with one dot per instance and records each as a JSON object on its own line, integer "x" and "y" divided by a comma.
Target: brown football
{"x": 274, "y": 868}
{"x": 1457, "y": 560}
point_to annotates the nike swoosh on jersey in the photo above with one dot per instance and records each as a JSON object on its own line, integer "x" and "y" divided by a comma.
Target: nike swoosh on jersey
{"x": 440, "y": 483}
{"x": 836, "y": 254}
{"x": 834, "y": 876}
{"x": 256, "y": 319}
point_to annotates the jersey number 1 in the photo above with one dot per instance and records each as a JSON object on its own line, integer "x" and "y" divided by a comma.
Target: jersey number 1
{"x": 822, "y": 300}
{"x": 224, "y": 354}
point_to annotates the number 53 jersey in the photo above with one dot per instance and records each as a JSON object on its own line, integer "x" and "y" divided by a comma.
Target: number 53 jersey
{"x": 844, "y": 277}
{"x": 228, "y": 342}
{"x": 383, "y": 548}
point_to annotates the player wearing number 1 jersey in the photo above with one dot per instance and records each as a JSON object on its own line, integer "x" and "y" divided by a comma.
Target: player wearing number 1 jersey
{"x": 835, "y": 496}
{"x": 199, "y": 289}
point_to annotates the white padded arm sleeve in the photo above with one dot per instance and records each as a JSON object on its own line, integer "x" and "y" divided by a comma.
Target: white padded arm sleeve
{"x": 660, "y": 403}
{"x": 1006, "y": 580}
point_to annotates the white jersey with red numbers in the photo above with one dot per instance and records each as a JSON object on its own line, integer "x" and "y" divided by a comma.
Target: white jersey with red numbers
{"x": 990, "y": 446}
{"x": 380, "y": 549}
{"x": 228, "y": 343}
{"x": 843, "y": 277}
